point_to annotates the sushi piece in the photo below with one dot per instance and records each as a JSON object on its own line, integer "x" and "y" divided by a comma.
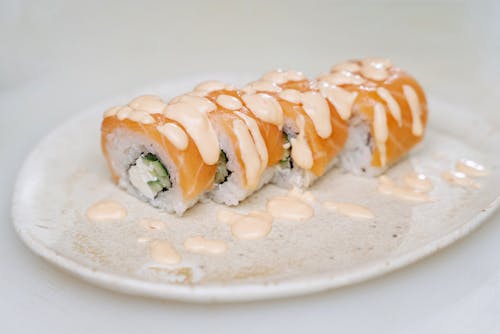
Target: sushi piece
{"x": 386, "y": 110}
{"x": 313, "y": 131}
{"x": 157, "y": 158}
{"x": 250, "y": 148}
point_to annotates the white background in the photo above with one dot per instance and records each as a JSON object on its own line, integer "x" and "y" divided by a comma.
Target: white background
{"x": 57, "y": 57}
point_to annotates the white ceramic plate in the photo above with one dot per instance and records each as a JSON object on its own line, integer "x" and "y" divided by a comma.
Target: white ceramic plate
{"x": 66, "y": 173}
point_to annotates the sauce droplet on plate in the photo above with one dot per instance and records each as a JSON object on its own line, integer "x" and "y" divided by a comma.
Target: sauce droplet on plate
{"x": 305, "y": 196}
{"x": 106, "y": 211}
{"x": 251, "y": 226}
{"x": 388, "y": 187}
{"x": 470, "y": 168}
{"x": 459, "y": 179}
{"x": 290, "y": 208}
{"x": 201, "y": 245}
{"x": 349, "y": 209}
{"x": 163, "y": 252}
{"x": 418, "y": 182}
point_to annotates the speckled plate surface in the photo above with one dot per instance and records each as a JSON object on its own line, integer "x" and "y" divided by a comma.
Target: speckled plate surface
{"x": 65, "y": 174}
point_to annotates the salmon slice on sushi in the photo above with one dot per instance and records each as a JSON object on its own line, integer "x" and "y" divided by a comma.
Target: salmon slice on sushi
{"x": 313, "y": 133}
{"x": 155, "y": 158}
{"x": 385, "y": 107}
{"x": 250, "y": 148}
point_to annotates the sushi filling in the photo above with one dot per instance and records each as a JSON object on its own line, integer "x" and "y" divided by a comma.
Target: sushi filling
{"x": 148, "y": 175}
{"x": 222, "y": 173}
{"x": 286, "y": 159}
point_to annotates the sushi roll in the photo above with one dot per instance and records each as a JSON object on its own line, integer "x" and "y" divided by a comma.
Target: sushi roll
{"x": 313, "y": 132}
{"x": 386, "y": 110}
{"x": 250, "y": 148}
{"x": 169, "y": 162}
{"x": 221, "y": 143}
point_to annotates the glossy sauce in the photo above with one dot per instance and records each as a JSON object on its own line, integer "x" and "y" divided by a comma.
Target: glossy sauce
{"x": 348, "y": 66}
{"x": 265, "y": 107}
{"x": 415, "y": 108}
{"x": 349, "y": 209}
{"x": 106, "y": 211}
{"x": 280, "y": 77}
{"x": 249, "y": 153}
{"x": 149, "y": 103}
{"x": 123, "y": 112}
{"x": 418, "y": 182}
{"x": 375, "y": 68}
{"x": 207, "y": 87}
{"x": 261, "y": 86}
{"x": 289, "y": 208}
{"x": 201, "y": 245}
{"x": 251, "y": 226}
{"x": 163, "y": 252}
{"x": 301, "y": 152}
{"x": 459, "y": 179}
{"x": 305, "y": 196}
{"x": 291, "y": 95}
{"x": 341, "y": 99}
{"x": 342, "y": 78}
{"x": 260, "y": 144}
{"x": 134, "y": 115}
{"x": 318, "y": 111}
{"x": 381, "y": 131}
{"x": 201, "y": 104}
{"x": 392, "y": 104}
{"x": 470, "y": 168}
{"x": 229, "y": 102}
{"x": 388, "y": 187}
{"x": 141, "y": 117}
{"x": 199, "y": 128}
{"x": 175, "y": 134}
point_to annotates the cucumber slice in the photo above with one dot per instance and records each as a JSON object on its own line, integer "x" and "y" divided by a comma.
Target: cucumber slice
{"x": 222, "y": 172}
{"x": 165, "y": 182}
{"x": 158, "y": 171}
{"x": 149, "y": 175}
{"x": 149, "y": 157}
{"x": 155, "y": 186}
{"x": 286, "y": 161}
{"x": 157, "y": 168}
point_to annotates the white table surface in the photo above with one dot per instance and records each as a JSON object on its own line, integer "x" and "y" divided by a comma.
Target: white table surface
{"x": 57, "y": 57}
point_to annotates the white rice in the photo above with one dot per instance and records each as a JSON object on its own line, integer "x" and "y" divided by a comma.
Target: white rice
{"x": 232, "y": 191}
{"x": 356, "y": 156}
{"x": 124, "y": 147}
{"x": 296, "y": 176}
